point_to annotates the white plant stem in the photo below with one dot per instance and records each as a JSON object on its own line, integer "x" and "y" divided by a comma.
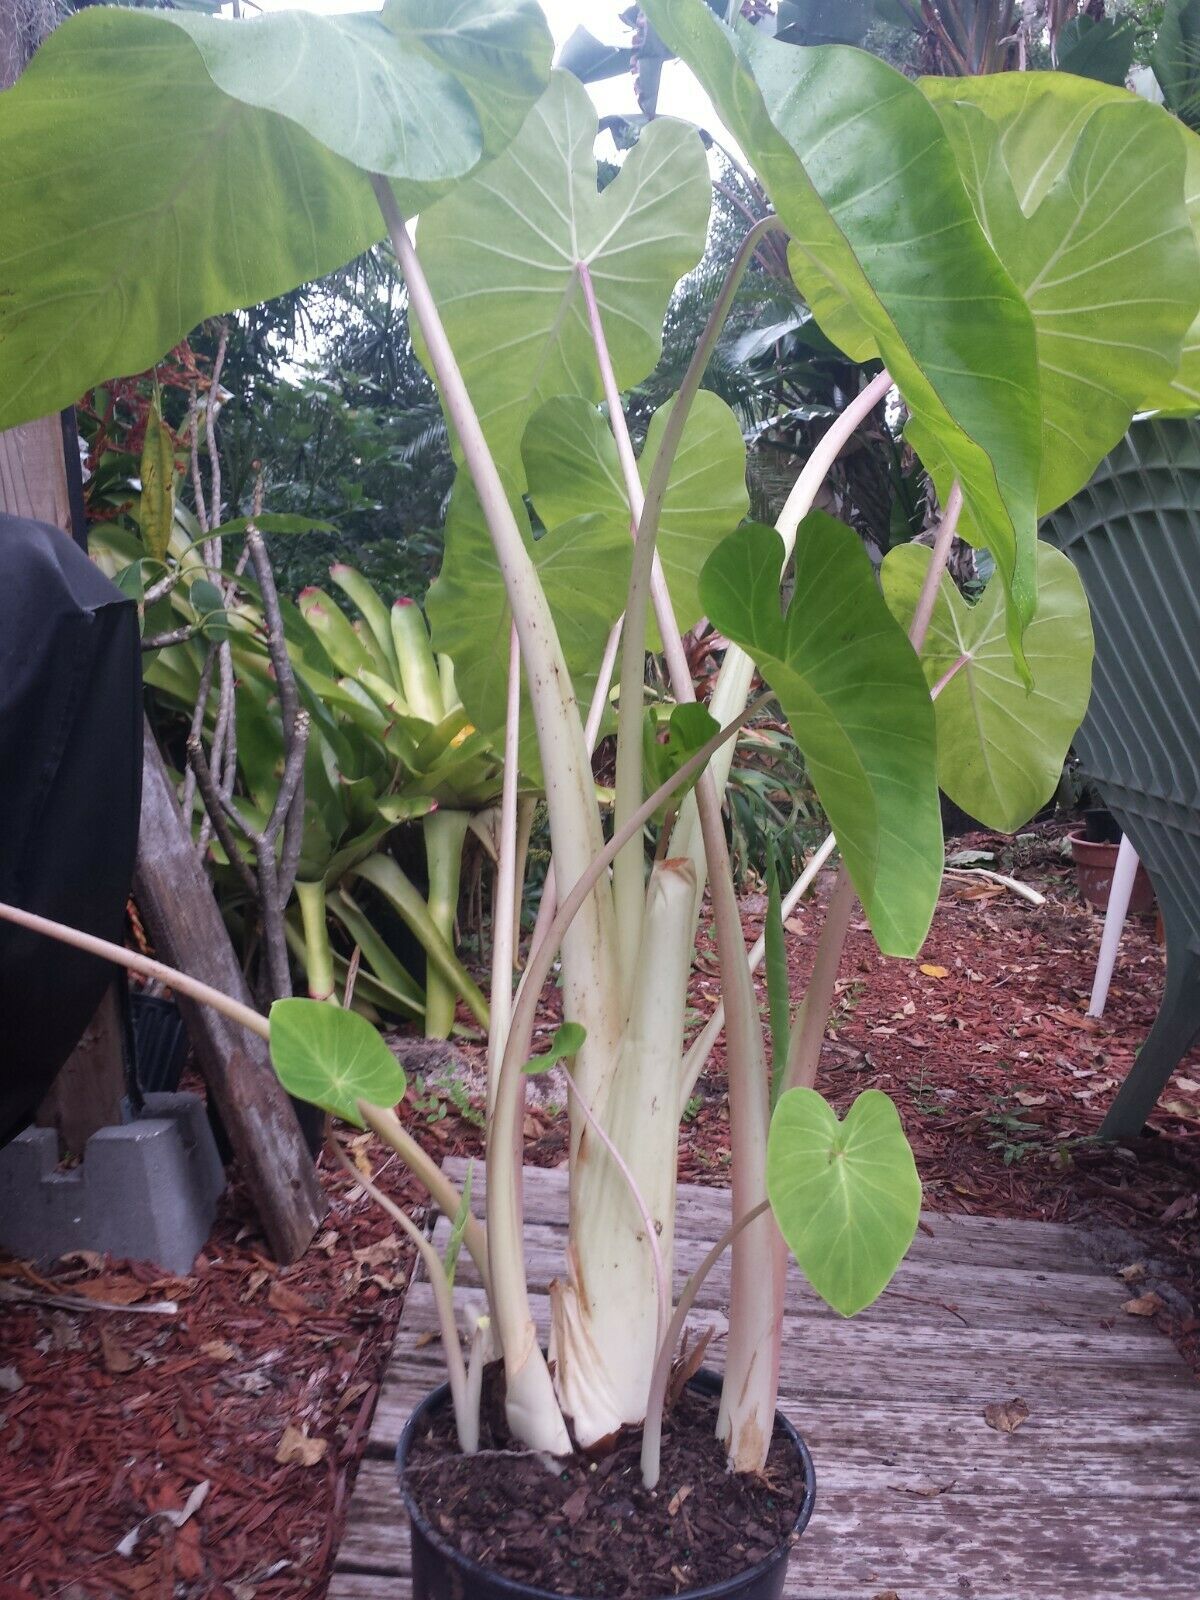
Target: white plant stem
{"x": 610, "y": 1315}
{"x": 386, "y": 1125}
{"x": 652, "y": 1435}
{"x": 548, "y": 904}
{"x": 466, "y": 1414}
{"x": 592, "y": 973}
{"x": 504, "y": 906}
{"x": 135, "y": 962}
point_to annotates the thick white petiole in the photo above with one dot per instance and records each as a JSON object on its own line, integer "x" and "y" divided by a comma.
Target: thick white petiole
{"x": 609, "y": 1316}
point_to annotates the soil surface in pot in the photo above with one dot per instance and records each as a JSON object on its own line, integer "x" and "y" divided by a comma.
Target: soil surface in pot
{"x": 592, "y": 1529}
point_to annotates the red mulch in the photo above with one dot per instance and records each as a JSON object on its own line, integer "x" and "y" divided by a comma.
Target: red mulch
{"x": 106, "y": 1418}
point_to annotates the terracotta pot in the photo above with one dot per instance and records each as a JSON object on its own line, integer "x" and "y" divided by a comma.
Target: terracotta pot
{"x": 440, "y": 1572}
{"x": 1094, "y": 868}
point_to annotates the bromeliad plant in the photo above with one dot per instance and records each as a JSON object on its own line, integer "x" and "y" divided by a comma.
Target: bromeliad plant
{"x": 1015, "y": 253}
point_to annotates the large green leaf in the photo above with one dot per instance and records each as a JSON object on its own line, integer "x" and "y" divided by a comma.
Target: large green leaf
{"x": 571, "y": 467}
{"x": 502, "y": 254}
{"x": 333, "y": 1058}
{"x": 584, "y": 569}
{"x": 1080, "y": 188}
{"x": 422, "y": 93}
{"x": 209, "y": 200}
{"x": 846, "y": 1195}
{"x": 888, "y": 252}
{"x": 858, "y": 705}
{"x": 1001, "y": 746}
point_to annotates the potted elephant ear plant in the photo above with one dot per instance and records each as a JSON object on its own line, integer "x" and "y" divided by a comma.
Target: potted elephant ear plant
{"x": 1014, "y": 260}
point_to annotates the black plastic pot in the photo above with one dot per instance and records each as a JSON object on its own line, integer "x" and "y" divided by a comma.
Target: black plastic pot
{"x": 160, "y": 1042}
{"x": 440, "y": 1572}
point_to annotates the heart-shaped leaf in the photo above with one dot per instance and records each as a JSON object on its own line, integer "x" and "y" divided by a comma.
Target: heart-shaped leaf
{"x": 846, "y": 1194}
{"x": 858, "y": 705}
{"x": 890, "y": 257}
{"x": 1001, "y": 746}
{"x": 1080, "y": 188}
{"x": 502, "y": 256}
{"x": 333, "y": 1058}
{"x": 572, "y": 468}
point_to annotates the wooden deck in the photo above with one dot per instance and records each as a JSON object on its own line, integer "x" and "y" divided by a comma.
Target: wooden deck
{"x": 1095, "y": 1497}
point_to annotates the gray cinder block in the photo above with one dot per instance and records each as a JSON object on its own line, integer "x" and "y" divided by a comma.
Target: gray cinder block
{"x": 146, "y": 1190}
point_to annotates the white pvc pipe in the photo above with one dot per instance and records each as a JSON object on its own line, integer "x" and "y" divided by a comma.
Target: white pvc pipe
{"x": 1114, "y": 921}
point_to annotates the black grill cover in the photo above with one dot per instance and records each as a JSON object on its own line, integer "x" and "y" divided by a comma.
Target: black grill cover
{"x": 70, "y": 791}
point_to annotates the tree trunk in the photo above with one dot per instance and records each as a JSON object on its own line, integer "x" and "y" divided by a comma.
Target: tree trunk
{"x": 184, "y": 922}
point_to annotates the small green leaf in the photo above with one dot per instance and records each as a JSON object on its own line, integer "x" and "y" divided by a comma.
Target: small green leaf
{"x": 333, "y": 1058}
{"x": 846, "y": 1195}
{"x": 568, "y": 1041}
{"x": 669, "y": 742}
{"x": 156, "y": 508}
{"x": 1000, "y": 746}
{"x": 459, "y": 1228}
{"x": 858, "y": 705}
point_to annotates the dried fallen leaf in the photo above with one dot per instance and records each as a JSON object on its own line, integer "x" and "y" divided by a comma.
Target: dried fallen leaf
{"x": 255, "y": 1282}
{"x": 1006, "y": 1416}
{"x": 116, "y": 1291}
{"x": 219, "y": 1350}
{"x": 296, "y": 1448}
{"x": 1185, "y": 1206}
{"x": 1188, "y": 1085}
{"x": 64, "y": 1333}
{"x": 281, "y": 1298}
{"x": 574, "y": 1506}
{"x": 379, "y": 1254}
{"x": 1024, "y": 1098}
{"x": 1144, "y": 1306}
{"x": 118, "y": 1358}
{"x": 1134, "y": 1273}
{"x": 932, "y": 971}
{"x": 678, "y": 1498}
{"x": 10, "y": 1380}
{"x": 175, "y": 1517}
{"x": 795, "y": 925}
{"x": 924, "y": 1491}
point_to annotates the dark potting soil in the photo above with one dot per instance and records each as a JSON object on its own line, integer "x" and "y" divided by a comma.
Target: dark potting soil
{"x": 591, "y": 1528}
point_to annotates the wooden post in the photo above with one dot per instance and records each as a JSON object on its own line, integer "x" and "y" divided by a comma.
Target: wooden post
{"x": 184, "y": 922}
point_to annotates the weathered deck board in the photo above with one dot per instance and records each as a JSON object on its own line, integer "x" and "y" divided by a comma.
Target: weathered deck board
{"x": 1097, "y": 1495}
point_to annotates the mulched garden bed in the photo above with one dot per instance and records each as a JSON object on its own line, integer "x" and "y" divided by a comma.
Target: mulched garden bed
{"x": 261, "y": 1383}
